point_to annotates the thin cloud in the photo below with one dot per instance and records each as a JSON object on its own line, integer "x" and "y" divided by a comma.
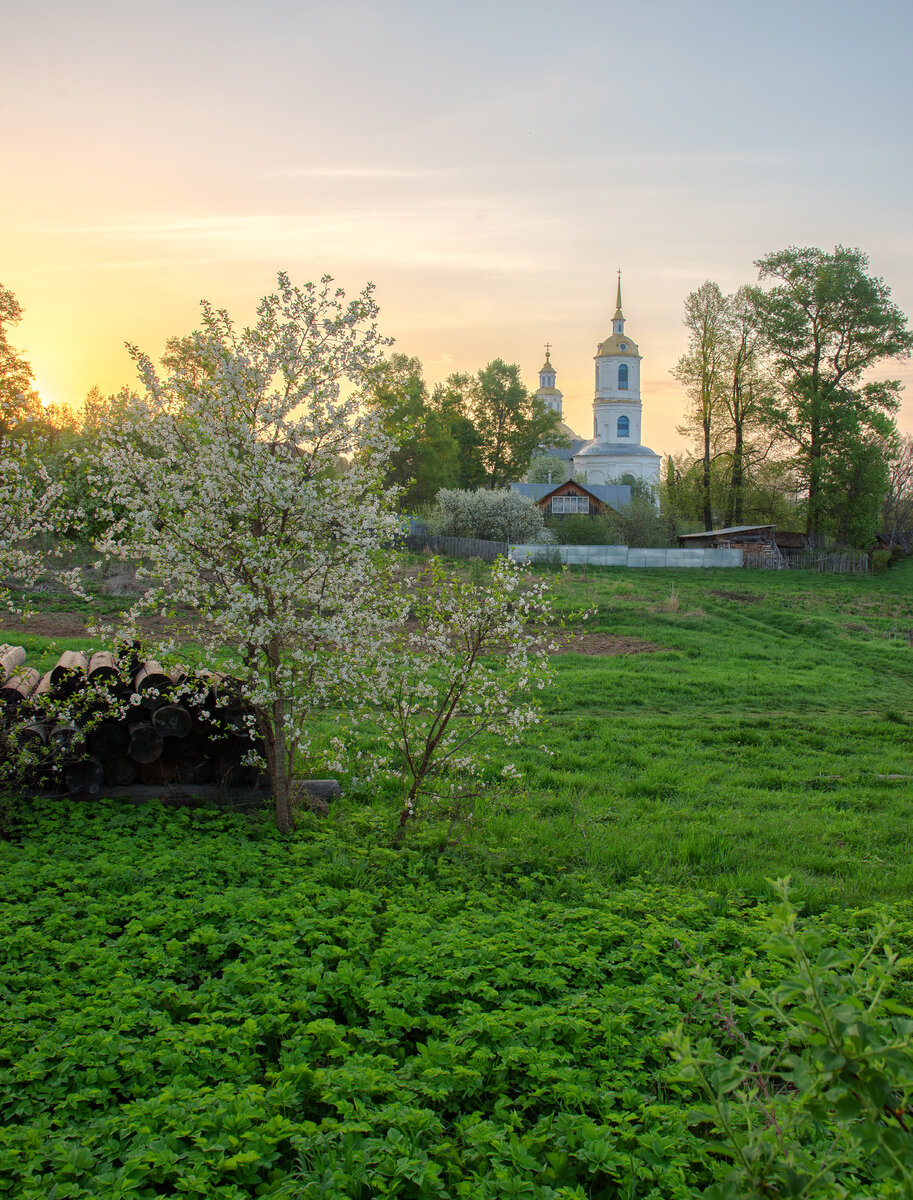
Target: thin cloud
{"x": 356, "y": 173}
{"x": 432, "y": 238}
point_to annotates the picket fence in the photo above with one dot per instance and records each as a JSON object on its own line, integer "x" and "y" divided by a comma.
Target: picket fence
{"x": 846, "y": 562}
{"x": 454, "y": 547}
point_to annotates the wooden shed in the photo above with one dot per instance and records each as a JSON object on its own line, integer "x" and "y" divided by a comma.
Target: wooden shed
{"x": 757, "y": 543}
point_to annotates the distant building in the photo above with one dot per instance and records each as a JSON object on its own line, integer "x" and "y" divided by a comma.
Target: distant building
{"x": 615, "y": 448}
{"x": 570, "y": 496}
{"x": 758, "y": 543}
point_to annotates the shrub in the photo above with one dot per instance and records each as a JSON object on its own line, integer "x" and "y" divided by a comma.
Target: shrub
{"x": 579, "y": 530}
{"x": 635, "y": 524}
{"x": 498, "y": 516}
{"x": 881, "y": 559}
{"x": 639, "y": 524}
{"x": 488, "y": 639}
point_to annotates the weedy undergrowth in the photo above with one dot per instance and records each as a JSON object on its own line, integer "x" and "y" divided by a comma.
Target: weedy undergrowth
{"x": 811, "y": 1092}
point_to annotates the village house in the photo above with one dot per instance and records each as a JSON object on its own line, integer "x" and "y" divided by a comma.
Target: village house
{"x": 572, "y": 497}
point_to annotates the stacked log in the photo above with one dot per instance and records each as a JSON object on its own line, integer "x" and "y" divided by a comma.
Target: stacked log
{"x": 133, "y": 722}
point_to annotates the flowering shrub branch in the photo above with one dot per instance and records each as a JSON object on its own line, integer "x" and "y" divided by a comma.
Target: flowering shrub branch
{"x": 469, "y": 661}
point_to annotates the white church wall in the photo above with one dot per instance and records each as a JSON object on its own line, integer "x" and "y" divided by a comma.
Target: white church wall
{"x": 607, "y": 423}
{"x": 640, "y": 468}
{"x": 607, "y": 378}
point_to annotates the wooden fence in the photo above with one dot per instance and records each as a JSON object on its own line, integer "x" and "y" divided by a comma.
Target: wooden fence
{"x": 846, "y": 562}
{"x": 456, "y": 547}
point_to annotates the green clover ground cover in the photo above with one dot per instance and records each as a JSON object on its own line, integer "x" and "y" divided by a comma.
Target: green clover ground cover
{"x": 196, "y": 1007}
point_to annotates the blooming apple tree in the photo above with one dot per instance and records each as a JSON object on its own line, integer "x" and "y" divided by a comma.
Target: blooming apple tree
{"x": 470, "y": 660}
{"x": 28, "y": 495}
{"x": 245, "y": 481}
{"x": 28, "y": 500}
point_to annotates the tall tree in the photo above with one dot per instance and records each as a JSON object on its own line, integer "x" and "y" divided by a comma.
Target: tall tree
{"x": 744, "y": 393}
{"x": 699, "y": 369}
{"x": 825, "y": 322}
{"x": 897, "y": 513}
{"x": 229, "y": 491}
{"x": 511, "y": 421}
{"x": 426, "y": 457}
{"x": 453, "y": 400}
{"x": 19, "y": 403}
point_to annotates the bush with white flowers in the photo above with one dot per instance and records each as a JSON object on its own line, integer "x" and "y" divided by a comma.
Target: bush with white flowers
{"x": 498, "y": 516}
{"x": 28, "y": 497}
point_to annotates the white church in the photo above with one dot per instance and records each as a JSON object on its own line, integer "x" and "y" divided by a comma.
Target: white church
{"x": 615, "y": 448}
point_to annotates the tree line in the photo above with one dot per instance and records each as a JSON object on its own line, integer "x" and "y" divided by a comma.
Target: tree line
{"x": 471, "y": 431}
{"x": 785, "y": 426}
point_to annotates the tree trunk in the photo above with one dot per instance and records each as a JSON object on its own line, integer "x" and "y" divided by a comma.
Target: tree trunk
{"x": 737, "y": 477}
{"x": 705, "y": 478}
{"x": 813, "y": 522}
{"x": 408, "y": 812}
{"x": 400, "y": 832}
{"x": 271, "y": 722}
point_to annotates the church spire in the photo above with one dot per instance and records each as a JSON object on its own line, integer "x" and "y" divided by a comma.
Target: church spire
{"x": 618, "y": 321}
{"x": 619, "y": 315}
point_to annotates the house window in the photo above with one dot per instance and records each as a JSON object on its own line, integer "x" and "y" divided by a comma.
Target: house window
{"x": 624, "y": 427}
{"x": 570, "y": 504}
{"x": 623, "y": 377}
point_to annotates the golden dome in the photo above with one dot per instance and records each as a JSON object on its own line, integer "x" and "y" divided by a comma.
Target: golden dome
{"x": 618, "y": 343}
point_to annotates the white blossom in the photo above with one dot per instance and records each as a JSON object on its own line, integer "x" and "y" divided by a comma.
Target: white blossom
{"x": 245, "y": 484}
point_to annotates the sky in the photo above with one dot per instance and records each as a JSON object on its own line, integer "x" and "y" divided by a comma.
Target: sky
{"x": 488, "y": 165}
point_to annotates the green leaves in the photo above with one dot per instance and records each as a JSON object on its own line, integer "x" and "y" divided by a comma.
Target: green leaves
{"x": 828, "y": 1111}
{"x": 233, "y": 1014}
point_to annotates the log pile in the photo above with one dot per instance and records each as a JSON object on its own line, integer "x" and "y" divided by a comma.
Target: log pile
{"x": 132, "y": 723}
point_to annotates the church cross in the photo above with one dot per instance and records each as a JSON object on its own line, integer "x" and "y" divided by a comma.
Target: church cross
{"x": 548, "y": 349}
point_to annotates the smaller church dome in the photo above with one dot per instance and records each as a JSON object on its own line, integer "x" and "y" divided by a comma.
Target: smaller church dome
{"x": 546, "y": 366}
{"x": 548, "y": 392}
{"x": 613, "y": 345}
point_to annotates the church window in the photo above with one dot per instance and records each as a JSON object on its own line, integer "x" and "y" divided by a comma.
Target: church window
{"x": 570, "y": 504}
{"x": 623, "y": 377}
{"x": 624, "y": 427}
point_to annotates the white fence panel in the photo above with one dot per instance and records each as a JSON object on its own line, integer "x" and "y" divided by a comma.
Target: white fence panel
{"x": 624, "y": 556}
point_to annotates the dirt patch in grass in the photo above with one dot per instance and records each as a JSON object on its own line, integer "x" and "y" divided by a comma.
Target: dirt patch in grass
{"x": 55, "y": 625}
{"x": 740, "y": 597}
{"x": 604, "y": 644}
{"x": 74, "y": 625}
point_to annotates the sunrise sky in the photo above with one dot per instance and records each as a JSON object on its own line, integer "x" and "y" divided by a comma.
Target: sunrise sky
{"x": 487, "y": 164}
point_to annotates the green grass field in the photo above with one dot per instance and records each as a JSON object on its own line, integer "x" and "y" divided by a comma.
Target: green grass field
{"x": 754, "y": 743}
{"x": 198, "y": 1007}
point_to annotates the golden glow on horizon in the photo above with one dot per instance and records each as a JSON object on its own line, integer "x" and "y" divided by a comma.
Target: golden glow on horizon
{"x": 73, "y": 353}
